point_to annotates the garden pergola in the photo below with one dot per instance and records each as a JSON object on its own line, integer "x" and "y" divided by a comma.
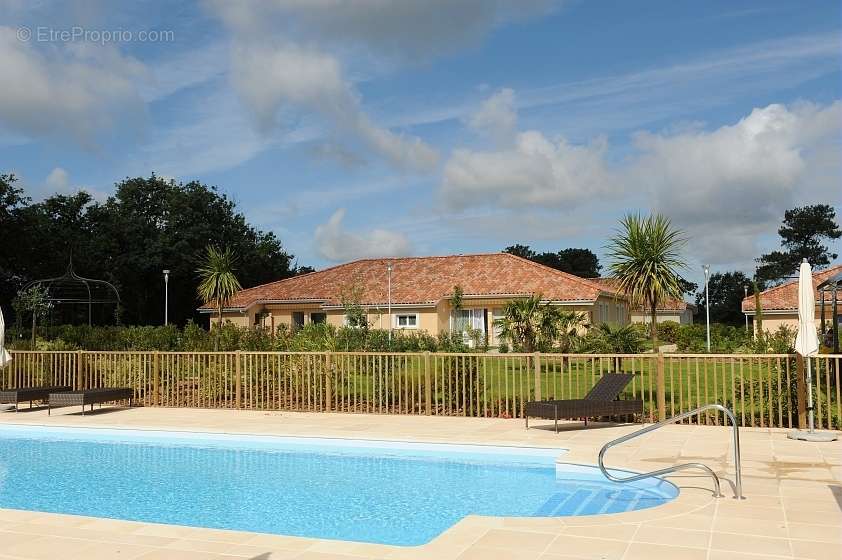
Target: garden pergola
{"x": 70, "y": 293}
{"x": 831, "y": 286}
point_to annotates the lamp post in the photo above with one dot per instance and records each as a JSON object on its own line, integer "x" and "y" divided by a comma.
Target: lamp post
{"x": 745, "y": 291}
{"x": 389, "y": 299}
{"x": 166, "y": 295}
{"x": 707, "y": 305}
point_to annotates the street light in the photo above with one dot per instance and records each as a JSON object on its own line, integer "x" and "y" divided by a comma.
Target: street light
{"x": 707, "y": 304}
{"x": 166, "y": 295}
{"x": 389, "y": 300}
{"x": 745, "y": 290}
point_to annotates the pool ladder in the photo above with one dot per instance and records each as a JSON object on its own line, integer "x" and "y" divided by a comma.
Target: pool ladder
{"x": 738, "y": 483}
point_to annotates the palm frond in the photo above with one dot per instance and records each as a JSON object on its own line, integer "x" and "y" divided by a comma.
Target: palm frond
{"x": 218, "y": 283}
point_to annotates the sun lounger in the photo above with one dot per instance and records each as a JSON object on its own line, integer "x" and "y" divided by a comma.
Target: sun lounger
{"x": 23, "y": 394}
{"x": 600, "y": 401}
{"x": 90, "y": 397}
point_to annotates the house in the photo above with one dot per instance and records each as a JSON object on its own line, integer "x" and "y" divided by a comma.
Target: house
{"x": 780, "y": 303}
{"x": 672, "y": 309}
{"x": 418, "y": 291}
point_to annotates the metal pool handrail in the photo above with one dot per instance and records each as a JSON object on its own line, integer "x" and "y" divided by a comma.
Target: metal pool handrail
{"x": 738, "y": 483}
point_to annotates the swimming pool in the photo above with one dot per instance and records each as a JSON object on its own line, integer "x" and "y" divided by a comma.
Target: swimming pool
{"x": 359, "y": 490}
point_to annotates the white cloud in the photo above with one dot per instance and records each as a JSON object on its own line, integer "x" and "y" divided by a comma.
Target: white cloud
{"x": 334, "y": 243}
{"x": 78, "y": 89}
{"x": 728, "y": 185}
{"x": 634, "y": 99}
{"x": 58, "y": 180}
{"x": 268, "y": 78}
{"x": 497, "y": 116}
{"x": 386, "y": 28}
{"x": 536, "y": 171}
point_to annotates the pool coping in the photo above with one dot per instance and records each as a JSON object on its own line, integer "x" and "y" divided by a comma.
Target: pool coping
{"x": 622, "y": 532}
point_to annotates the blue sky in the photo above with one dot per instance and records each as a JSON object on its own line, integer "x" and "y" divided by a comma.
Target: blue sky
{"x": 371, "y": 128}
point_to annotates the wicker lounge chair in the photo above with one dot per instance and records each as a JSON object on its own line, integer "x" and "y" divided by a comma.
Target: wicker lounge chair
{"x": 600, "y": 401}
{"x": 23, "y": 394}
{"x": 90, "y": 396}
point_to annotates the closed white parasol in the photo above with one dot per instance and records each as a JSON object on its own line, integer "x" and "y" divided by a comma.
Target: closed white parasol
{"x": 5, "y": 357}
{"x": 807, "y": 344}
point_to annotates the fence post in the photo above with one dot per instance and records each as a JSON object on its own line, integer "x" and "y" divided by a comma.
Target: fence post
{"x": 801, "y": 390}
{"x": 428, "y": 386}
{"x": 328, "y": 382}
{"x": 661, "y": 389}
{"x": 238, "y": 381}
{"x": 537, "y": 365}
{"x": 80, "y": 370}
{"x": 156, "y": 379}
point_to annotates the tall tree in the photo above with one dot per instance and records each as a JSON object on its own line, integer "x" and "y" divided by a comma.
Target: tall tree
{"x": 35, "y": 301}
{"x": 803, "y": 234}
{"x": 522, "y": 251}
{"x": 581, "y": 262}
{"x": 12, "y": 233}
{"x": 727, "y": 290}
{"x": 645, "y": 255}
{"x": 218, "y": 281}
{"x": 148, "y": 225}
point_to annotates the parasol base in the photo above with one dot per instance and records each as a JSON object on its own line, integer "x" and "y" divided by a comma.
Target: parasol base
{"x": 811, "y": 436}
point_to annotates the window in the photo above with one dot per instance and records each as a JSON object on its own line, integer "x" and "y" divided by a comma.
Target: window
{"x": 318, "y": 317}
{"x": 406, "y": 321}
{"x": 465, "y": 319}
{"x": 297, "y": 320}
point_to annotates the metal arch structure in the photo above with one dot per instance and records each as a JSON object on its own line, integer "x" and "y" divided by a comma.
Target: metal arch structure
{"x": 70, "y": 289}
{"x": 832, "y": 286}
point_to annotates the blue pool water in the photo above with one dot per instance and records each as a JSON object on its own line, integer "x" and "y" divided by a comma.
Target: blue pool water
{"x": 358, "y": 490}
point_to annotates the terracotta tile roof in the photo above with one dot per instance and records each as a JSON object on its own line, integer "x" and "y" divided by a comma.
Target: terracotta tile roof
{"x": 785, "y": 296}
{"x": 426, "y": 280}
{"x": 670, "y": 304}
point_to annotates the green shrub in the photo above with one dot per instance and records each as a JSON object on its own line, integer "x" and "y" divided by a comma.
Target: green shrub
{"x": 667, "y": 331}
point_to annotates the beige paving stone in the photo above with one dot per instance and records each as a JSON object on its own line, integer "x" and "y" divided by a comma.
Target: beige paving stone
{"x": 816, "y": 550}
{"x": 728, "y": 555}
{"x": 10, "y": 539}
{"x": 169, "y": 554}
{"x": 751, "y": 544}
{"x": 647, "y": 551}
{"x": 673, "y": 536}
{"x": 811, "y": 532}
{"x": 747, "y": 526}
{"x": 691, "y": 521}
{"x": 621, "y": 532}
{"x": 727, "y": 509}
{"x": 260, "y": 553}
{"x": 518, "y": 540}
{"x": 484, "y": 553}
{"x": 199, "y": 545}
{"x": 49, "y": 548}
{"x": 588, "y": 547}
{"x": 317, "y": 555}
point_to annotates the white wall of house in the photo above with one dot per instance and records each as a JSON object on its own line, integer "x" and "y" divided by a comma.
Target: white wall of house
{"x": 684, "y": 317}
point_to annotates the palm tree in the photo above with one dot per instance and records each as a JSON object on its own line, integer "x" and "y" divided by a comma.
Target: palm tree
{"x": 218, "y": 282}
{"x": 646, "y": 259}
{"x": 531, "y": 325}
{"x": 571, "y": 326}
